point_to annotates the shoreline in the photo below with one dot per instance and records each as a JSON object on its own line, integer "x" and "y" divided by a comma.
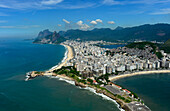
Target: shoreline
{"x": 138, "y": 73}
{"x": 121, "y": 105}
{"x": 92, "y": 89}
{"x": 68, "y": 56}
{"x": 64, "y": 58}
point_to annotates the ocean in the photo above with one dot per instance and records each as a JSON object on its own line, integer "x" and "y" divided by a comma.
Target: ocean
{"x": 17, "y": 57}
{"x": 153, "y": 89}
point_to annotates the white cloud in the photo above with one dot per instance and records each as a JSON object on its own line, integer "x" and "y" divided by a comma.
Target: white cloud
{"x": 111, "y": 2}
{"x": 99, "y": 20}
{"x": 19, "y": 27}
{"x": 77, "y": 5}
{"x": 66, "y": 21}
{"x": 51, "y": 2}
{"x": 3, "y": 14}
{"x": 162, "y": 12}
{"x": 3, "y": 21}
{"x": 4, "y": 6}
{"x": 79, "y": 23}
{"x": 93, "y": 22}
{"x": 84, "y": 27}
{"x": 59, "y": 25}
{"x": 44, "y": 4}
{"x": 111, "y": 22}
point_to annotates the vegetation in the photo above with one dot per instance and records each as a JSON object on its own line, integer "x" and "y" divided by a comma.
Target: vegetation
{"x": 142, "y": 45}
{"x": 103, "y": 77}
{"x": 159, "y": 55}
{"x": 108, "y": 52}
{"x": 159, "y": 32}
{"x": 71, "y": 72}
{"x": 166, "y": 46}
{"x": 127, "y": 100}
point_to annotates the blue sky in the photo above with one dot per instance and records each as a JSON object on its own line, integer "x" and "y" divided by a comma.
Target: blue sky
{"x": 25, "y": 18}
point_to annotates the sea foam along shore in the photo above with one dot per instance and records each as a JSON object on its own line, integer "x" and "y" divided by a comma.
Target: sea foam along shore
{"x": 112, "y": 78}
{"x": 69, "y": 55}
{"x": 64, "y": 58}
{"x": 72, "y": 82}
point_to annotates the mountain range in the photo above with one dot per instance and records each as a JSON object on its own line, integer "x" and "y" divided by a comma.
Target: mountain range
{"x": 158, "y": 32}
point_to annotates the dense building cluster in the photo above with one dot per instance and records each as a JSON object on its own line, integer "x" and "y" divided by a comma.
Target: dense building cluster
{"x": 92, "y": 60}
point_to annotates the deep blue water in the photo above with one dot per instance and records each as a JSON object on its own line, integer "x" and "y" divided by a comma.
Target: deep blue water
{"x": 112, "y": 46}
{"x": 154, "y": 89}
{"x": 41, "y": 94}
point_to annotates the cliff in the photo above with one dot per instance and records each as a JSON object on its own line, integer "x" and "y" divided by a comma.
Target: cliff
{"x": 47, "y": 37}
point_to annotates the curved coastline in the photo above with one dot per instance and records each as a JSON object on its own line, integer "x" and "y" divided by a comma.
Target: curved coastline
{"x": 93, "y": 90}
{"x": 64, "y": 58}
{"x": 138, "y": 73}
{"x": 68, "y": 55}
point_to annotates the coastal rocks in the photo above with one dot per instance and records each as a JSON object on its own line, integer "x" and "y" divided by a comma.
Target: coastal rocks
{"x": 80, "y": 84}
{"x": 33, "y": 74}
{"x": 99, "y": 90}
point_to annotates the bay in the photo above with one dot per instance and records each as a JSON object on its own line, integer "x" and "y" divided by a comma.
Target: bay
{"x": 153, "y": 89}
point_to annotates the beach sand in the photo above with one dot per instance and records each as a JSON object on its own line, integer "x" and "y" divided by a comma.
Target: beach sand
{"x": 138, "y": 73}
{"x": 70, "y": 55}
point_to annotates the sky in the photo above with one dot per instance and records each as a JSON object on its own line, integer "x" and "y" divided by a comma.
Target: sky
{"x": 25, "y": 18}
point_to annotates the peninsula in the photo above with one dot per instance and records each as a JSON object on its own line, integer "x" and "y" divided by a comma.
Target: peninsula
{"x": 92, "y": 66}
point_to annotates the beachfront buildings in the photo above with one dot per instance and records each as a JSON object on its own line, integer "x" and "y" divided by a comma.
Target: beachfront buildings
{"x": 91, "y": 60}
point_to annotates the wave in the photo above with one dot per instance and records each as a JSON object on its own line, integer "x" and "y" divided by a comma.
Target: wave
{"x": 104, "y": 97}
{"x": 64, "y": 58}
{"x": 91, "y": 90}
{"x": 62, "y": 79}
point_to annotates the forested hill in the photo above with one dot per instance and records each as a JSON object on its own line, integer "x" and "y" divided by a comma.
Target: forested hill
{"x": 166, "y": 46}
{"x": 159, "y": 32}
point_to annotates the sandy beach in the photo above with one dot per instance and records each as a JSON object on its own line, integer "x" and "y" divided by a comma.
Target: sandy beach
{"x": 70, "y": 55}
{"x": 138, "y": 73}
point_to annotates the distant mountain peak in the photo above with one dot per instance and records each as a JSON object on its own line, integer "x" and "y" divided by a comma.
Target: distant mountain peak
{"x": 46, "y": 37}
{"x": 118, "y": 28}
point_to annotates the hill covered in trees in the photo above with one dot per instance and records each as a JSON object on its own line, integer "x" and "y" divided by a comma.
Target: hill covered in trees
{"x": 158, "y": 32}
{"x": 166, "y": 46}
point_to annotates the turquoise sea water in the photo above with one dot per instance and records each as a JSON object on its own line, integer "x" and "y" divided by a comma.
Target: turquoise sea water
{"x": 154, "y": 89}
{"x": 41, "y": 94}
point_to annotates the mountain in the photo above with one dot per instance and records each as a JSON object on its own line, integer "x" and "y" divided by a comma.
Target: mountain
{"x": 167, "y": 43}
{"x": 46, "y": 37}
{"x": 44, "y": 33}
{"x": 166, "y": 46}
{"x": 118, "y": 28}
{"x": 158, "y": 32}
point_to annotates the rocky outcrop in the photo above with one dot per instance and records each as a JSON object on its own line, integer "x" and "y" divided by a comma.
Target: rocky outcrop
{"x": 44, "y": 33}
{"x": 46, "y": 37}
{"x": 80, "y": 84}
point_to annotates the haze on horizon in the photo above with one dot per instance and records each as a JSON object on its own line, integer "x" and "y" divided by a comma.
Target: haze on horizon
{"x": 27, "y": 18}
